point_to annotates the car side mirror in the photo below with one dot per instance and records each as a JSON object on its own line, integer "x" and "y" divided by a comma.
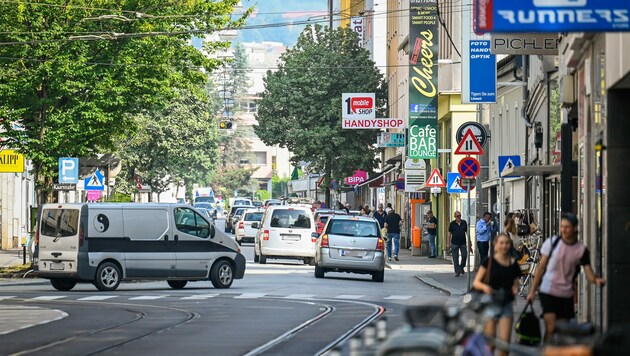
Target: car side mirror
{"x": 314, "y": 235}
{"x": 255, "y": 225}
{"x": 211, "y": 232}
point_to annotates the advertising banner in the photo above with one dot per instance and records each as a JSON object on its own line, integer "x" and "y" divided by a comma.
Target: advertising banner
{"x": 551, "y": 15}
{"x": 483, "y": 73}
{"x": 358, "y": 177}
{"x": 356, "y": 24}
{"x": 423, "y": 73}
{"x": 11, "y": 162}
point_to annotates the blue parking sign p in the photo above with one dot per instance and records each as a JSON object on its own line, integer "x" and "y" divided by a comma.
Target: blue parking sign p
{"x": 68, "y": 170}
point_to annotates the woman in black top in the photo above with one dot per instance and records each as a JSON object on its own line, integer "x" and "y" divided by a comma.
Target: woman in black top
{"x": 502, "y": 284}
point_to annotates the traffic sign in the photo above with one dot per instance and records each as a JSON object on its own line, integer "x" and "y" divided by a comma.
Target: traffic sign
{"x": 478, "y": 130}
{"x": 95, "y": 182}
{"x": 453, "y": 183}
{"x": 435, "y": 179}
{"x": 469, "y": 145}
{"x": 469, "y": 167}
{"x": 68, "y": 170}
{"x": 506, "y": 162}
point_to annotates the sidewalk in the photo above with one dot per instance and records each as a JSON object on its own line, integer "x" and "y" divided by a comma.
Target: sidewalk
{"x": 10, "y": 258}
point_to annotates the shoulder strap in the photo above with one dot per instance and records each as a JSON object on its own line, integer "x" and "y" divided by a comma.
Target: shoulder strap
{"x": 486, "y": 278}
{"x": 553, "y": 247}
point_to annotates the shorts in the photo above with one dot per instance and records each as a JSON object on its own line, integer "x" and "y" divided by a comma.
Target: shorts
{"x": 562, "y": 307}
{"x": 498, "y": 311}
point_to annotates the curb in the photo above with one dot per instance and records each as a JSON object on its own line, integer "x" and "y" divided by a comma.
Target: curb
{"x": 454, "y": 294}
{"x": 11, "y": 282}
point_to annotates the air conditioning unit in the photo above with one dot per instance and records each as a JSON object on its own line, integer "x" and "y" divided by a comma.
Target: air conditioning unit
{"x": 567, "y": 94}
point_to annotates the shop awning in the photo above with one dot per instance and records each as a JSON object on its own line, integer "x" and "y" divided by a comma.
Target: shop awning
{"x": 377, "y": 180}
{"x": 529, "y": 171}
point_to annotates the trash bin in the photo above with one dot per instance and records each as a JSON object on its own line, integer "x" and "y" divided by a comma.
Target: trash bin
{"x": 416, "y": 236}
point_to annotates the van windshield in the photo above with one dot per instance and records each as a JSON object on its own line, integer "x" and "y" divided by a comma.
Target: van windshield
{"x": 60, "y": 222}
{"x": 289, "y": 218}
{"x": 204, "y": 200}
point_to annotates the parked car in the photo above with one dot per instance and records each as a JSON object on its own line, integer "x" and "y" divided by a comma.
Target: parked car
{"x": 244, "y": 230}
{"x": 230, "y": 216}
{"x": 285, "y": 232}
{"x": 238, "y": 213}
{"x": 105, "y": 243}
{"x": 350, "y": 244}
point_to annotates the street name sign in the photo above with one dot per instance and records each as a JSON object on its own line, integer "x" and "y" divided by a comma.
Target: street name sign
{"x": 64, "y": 187}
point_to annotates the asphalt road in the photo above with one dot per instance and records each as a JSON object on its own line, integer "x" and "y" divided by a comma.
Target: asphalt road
{"x": 277, "y": 309}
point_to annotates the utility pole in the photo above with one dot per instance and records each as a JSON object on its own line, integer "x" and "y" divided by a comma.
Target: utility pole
{"x": 330, "y": 13}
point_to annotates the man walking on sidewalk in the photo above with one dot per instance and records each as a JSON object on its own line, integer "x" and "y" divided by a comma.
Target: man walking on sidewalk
{"x": 482, "y": 231}
{"x": 392, "y": 223}
{"x": 432, "y": 232}
{"x": 380, "y": 215}
{"x": 457, "y": 242}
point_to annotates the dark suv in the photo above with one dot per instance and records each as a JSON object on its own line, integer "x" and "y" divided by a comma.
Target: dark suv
{"x": 229, "y": 227}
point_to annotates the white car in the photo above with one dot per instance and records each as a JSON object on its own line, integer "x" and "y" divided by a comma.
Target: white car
{"x": 244, "y": 230}
{"x": 285, "y": 232}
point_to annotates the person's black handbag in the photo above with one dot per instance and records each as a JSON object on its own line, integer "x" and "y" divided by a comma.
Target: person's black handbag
{"x": 528, "y": 327}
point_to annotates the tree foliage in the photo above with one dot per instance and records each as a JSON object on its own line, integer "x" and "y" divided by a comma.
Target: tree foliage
{"x": 301, "y": 106}
{"x": 74, "y": 73}
{"x": 177, "y": 144}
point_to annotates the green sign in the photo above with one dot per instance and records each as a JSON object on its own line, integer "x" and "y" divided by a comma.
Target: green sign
{"x": 423, "y": 76}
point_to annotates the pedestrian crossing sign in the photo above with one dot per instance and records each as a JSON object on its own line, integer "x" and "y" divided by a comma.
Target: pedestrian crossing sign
{"x": 507, "y": 163}
{"x": 95, "y": 181}
{"x": 454, "y": 183}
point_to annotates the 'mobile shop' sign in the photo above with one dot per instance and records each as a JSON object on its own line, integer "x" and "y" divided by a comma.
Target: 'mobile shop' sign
{"x": 551, "y": 15}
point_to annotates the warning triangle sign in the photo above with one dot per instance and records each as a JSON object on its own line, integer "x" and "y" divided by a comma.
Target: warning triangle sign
{"x": 508, "y": 165}
{"x": 469, "y": 145}
{"x": 435, "y": 180}
{"x": 456, "y": 185}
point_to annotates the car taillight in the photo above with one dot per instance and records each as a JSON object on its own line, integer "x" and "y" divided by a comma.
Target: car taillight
{"x": 241, "y": 225}
{"x": 37, "y": 235}
{"x": 380, "y": 245}
{"x": 81, "y": 235}
{"x": 324, "y": 242}
{"x": 266, "y": 235}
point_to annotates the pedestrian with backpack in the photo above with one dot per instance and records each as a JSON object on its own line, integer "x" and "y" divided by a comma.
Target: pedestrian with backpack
{"x": 561, "y": 259}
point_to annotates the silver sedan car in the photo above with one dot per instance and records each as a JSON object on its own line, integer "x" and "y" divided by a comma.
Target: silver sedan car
{"x": 350, "y": 244}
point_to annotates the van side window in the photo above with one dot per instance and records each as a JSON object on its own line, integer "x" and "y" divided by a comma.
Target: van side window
{"x": 189, "y": 222}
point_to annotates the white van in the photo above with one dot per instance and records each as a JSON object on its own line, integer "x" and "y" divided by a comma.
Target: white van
{"x": 107, "y": 243}
{"x": 285, "y": 232}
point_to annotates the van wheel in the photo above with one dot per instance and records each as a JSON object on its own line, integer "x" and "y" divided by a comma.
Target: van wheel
{"x": 108, "y": 277}
{"x": 319, "y": 272}
{"x": 177, "y": 284}
{"x": 263, "y": 259}
{"x": 63, "y": 284}
{"x": 378, "y": 276}
{"x": 222, "y": 274}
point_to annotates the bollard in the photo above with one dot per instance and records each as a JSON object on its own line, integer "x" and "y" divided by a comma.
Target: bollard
{"x": 355, "y": 346}
{"x": 369, "y": 336}
{"x": 381, "y": 329}
{"x": 23, "y": 254}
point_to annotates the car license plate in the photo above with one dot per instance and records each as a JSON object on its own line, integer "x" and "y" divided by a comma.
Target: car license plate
{"x": 290, "y": 237}
{"x": 57, "y": 266}
{"x": 345, "y": 253}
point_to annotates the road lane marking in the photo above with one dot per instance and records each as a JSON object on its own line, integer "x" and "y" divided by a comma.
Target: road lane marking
{"x": 349, "y": 296}
{"x": 148, "y": 297}
{"x": 98, "y": 297}
{"x": 300, "y": 296}
{"x": 200, "y": 296}
{"x": 7, "y": 297}
{"x": 250, "y": 296}
{"x": 399, "y": 297}
{"x": 18, "y": 317}
{"x": 48, "y": 297}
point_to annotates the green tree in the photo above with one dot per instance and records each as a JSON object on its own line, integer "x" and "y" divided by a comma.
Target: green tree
{"x": 72, "y": 73}
{"x": 177, "y": 144}
{"x": 301, "y": 105}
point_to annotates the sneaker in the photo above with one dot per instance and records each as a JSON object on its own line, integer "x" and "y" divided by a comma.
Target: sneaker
{"x": 389, "y": 259}
{"x": 432, "y": 256}
{"x": 396, "y": 257}
{"x": 457, "y": 274}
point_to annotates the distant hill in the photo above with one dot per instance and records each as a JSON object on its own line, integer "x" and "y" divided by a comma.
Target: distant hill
{"x": 280, "y": 12}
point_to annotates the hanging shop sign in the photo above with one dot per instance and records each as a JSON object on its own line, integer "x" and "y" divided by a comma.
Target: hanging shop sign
{"x": 483, "y": 73}
{"x": 524, "y": 43}
{"x": 390, "y": 139}
{"x": 11, "y": 162}
{"x": 358, "y": 177}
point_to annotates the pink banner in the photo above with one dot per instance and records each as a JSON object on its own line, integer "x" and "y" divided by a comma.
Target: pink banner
{"x": 93, "y": 195}
{"x": 358, "y": 178}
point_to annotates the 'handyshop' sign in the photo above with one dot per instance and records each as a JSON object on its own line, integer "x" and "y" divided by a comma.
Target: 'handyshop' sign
{"x": 423, "y": 72}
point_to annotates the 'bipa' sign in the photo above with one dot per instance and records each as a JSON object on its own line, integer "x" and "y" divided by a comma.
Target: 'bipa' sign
{"x": 358, "y": 177}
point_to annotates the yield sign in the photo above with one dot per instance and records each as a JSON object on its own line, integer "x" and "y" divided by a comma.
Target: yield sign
{"x": 469, "y": 167}
{"x": 469, "y": 145}
{"x": 435, "y": 180}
